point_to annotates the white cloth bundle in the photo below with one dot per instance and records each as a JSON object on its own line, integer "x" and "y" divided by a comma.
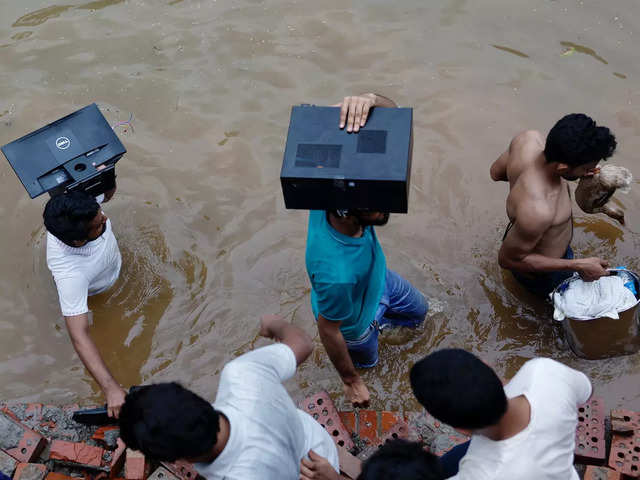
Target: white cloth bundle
{"x": 605, "y": 297}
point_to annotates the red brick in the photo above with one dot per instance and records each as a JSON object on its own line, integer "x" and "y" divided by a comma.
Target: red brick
{"x": 30, "y": 471}
{"x": 349, "y": 465}
{"x": 399, "y": 430}
{"x": 33, "y": 411}
{"x": 181, "y": 469}
{"x": 388, "y": 420}
{"x": 29, "y": 443}
{"x": 99, "y": 433}
{"x": 590, "y": 445}
{"x": 95, "y": 476}
{"x": 600, "y": 473}
{"x": 349, "y": 421}
{"x": 368, "y": 426}
{"x": 7, "y": 464}
{"x": 321, "y": 407}
{"x": 76, "y": 453}
{"x": 58, "y": 476}
{"x": 135, "y": 465}
{"x": 162, "y": 473}
{"x": 117, "y": 459}
{"x": 625, "y": 454}
{"x": 624, "y": 421}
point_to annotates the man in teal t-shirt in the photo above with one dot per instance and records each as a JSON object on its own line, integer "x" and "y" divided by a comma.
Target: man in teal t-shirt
{"x": 353, "y": 294}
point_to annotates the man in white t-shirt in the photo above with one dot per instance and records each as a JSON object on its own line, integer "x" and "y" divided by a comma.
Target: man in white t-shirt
{"x": 83, "y": 256}
{"x": 253, "y": 430}
{"x": 524, "y": 430}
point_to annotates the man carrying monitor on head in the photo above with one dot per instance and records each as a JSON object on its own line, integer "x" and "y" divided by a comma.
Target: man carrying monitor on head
{"x": 73, "y": 159}
{"x": 84, "y": 259}
{"x": 536, "y": 246}
{"x": 353, "y": 293}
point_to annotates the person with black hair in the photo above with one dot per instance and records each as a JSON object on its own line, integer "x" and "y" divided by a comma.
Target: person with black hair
{"x": 253, "y": 430}
{"x": 353, "y": 294}
{"x": 83, "y": 256}
{"x": 536, "y": 245}
{"x": 524, "y": 430}
{"x": 396, "y": 460}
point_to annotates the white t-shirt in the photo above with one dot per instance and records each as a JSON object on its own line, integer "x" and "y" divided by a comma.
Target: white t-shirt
{"x": 83, "y": 271}
{"x": 269, "y": 435}
{"x": 544, "y": 449}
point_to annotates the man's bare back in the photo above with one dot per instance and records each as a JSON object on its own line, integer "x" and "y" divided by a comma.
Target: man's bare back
{"x": 539, "y": 210}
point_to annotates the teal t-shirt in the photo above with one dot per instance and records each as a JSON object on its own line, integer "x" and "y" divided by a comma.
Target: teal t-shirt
{"x": 347, "y": 275}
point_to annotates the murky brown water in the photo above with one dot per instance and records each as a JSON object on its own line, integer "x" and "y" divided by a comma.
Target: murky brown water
{"x": 207, "y": 244}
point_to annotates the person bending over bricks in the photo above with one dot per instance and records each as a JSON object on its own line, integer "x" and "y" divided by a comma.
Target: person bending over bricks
{"x": 395, "y": 460}
{"x": 524, "y": 430}
{"x": 353, "y": 294}
{"x": 83, "y": 256}
{"x": 253, "y": 430}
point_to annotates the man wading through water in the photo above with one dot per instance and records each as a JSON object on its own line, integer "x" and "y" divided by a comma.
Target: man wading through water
{"x": 536, "y": 246}
{"x": 353, "y": 294}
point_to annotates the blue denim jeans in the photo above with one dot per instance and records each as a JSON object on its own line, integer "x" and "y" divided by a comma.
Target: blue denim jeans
{"x": 401, "y": 305}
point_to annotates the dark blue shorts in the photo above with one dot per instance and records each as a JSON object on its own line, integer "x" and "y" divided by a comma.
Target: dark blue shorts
{"x": 542, "y": 284}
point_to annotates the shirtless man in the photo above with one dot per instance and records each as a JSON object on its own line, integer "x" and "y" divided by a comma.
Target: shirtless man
{"x": 535, "y": 247}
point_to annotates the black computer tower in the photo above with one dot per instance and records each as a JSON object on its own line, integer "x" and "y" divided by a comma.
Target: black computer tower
{"x": 326, "y": 168}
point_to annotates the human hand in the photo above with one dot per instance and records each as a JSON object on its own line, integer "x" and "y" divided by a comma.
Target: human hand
{"x": 354, "y": 111}
{"x": 115, "y": 400}
{"x": 266, "y": 324}
{"x": 592, "y": 268}
{"x": 357, "y": 393}
{"x": 317, "y": 468}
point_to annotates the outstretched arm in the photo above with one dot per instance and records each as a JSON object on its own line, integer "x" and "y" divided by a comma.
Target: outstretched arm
{"x": 272, "y": 326}
{"x": 336, "y": 348}
{"x": 78, "y": 327}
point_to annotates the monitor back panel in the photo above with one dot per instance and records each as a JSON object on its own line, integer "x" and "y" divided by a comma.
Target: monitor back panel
{"x": 69, "y": 153}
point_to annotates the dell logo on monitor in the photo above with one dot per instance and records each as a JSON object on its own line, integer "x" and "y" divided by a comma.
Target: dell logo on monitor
{"x": 63, "y": 143}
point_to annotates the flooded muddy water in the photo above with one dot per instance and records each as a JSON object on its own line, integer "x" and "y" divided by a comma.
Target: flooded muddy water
{"x": 207, "y": 244}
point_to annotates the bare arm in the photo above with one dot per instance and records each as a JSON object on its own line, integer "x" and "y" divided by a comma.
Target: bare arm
{"x": 317, "y": 467}
{"x": 336, "y": 348}
{"x": 78, "y": 327}
{"x": 272, "y": 326}
{"x": 517, "y": 250}
{"x": 498, "y": 170}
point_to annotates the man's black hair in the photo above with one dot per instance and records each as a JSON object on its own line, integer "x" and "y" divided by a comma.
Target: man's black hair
{"x": 402, "y": 460}
{"x": 68, "y": 216}
{"x": 457, "y": 388}
{"x": 167, "y": 422}
{"x": 576, "y": 140}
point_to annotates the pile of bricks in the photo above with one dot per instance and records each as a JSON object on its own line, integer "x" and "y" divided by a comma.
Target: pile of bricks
{"x": 42, "y": 442}
{"x": 360, "y": 433}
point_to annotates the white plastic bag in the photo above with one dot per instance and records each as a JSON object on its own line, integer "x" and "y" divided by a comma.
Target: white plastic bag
{"x": 605, "y": 297}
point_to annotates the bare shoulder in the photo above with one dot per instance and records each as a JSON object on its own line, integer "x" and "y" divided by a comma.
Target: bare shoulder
{"x": 527, "y": 138}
